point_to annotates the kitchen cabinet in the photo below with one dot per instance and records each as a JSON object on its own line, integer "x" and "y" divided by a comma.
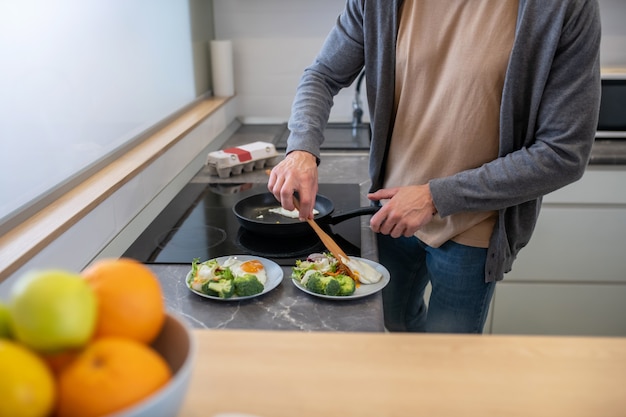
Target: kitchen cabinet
{"x": 560, "y": 309}
{"x": 576, "y": 243}
{"x": 571, "y": 278}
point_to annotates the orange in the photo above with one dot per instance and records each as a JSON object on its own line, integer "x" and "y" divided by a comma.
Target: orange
{"x": 130, "y": 299}
{"x": 109, "y": 375}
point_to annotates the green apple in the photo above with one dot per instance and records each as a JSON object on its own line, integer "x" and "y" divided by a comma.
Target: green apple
{"x": 52, "y": 310}
{"x": 5, "y": 316}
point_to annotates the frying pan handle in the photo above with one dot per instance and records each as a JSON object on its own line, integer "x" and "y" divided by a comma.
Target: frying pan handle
{"x": 361, "y": 211}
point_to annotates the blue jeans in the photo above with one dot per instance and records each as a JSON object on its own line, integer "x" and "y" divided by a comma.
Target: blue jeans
{"x": 460, "y": 297}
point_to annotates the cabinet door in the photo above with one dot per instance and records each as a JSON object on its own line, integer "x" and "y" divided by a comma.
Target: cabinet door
{"x": 559, "y": 309}
{"x": 583, "y": 243}
{"x": 601, "y": 184}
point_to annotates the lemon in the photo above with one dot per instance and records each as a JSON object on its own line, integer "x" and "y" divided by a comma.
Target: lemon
{"x": 52, "y": 310}
{"x": 27, "y": 388}
{"x": 5, "y": 330}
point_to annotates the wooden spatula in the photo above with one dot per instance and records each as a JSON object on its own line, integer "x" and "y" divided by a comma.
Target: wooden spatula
{"x": 328, "y": 241}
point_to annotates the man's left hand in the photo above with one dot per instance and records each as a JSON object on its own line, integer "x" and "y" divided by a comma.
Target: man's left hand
{"x": 408, "y": 209}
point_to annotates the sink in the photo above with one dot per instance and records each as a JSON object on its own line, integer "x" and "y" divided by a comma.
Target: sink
{"x": 338, "y": 136}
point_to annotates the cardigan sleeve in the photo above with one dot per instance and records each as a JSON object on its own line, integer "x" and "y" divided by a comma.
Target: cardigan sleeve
{"x": 549, "y": 112}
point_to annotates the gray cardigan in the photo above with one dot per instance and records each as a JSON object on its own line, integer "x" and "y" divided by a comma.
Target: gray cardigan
{"x": 548, "y": 115}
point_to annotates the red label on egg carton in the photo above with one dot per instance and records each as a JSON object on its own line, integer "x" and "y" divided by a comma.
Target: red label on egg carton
{"x": 242, "y": 154}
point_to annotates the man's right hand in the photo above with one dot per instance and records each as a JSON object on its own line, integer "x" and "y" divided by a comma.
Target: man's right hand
{"x": 297, "y": 172}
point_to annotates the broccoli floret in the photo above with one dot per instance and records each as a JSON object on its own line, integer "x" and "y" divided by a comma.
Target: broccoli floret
{"x": 222, "y": 288}
{"x": 315, "y": 283}
{"x": 224, "y": 273}
{"x": 332, "y": 286}
{"x": 347, "y": 285}
{"x": 247, "y": 285}
{"x": 322, "y": 284}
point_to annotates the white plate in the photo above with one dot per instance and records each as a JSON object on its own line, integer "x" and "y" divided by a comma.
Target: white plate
{"x": 362, "y": 290}
{"x": 273, "y": 271}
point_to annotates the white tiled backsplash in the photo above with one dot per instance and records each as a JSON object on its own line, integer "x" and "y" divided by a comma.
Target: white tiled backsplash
{"x": 274, "y": 40}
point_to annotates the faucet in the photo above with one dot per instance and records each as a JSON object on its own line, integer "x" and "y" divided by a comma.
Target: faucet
{"x": 357, "y": 111}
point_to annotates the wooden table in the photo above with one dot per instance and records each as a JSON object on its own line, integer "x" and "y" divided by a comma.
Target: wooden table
{"x": 299, "y": 374}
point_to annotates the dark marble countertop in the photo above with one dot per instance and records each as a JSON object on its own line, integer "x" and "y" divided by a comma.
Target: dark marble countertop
{"x": 284, "y": 308}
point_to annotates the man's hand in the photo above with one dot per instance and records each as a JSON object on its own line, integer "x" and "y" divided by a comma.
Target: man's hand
{"x": 297, "y": 172}
{"x": 408, "y": 209}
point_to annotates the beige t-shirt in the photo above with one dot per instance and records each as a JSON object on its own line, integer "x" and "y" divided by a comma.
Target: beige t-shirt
{"x": 451, "y": 57}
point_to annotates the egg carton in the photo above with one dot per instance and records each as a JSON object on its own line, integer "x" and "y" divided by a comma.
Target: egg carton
{"x": 245, "y": 158}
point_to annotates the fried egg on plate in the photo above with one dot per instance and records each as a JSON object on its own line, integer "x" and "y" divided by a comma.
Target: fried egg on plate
{"x": 253, "y": 266}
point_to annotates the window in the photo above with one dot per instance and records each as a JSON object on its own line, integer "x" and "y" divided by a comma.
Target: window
{"x": 79, "y": 80}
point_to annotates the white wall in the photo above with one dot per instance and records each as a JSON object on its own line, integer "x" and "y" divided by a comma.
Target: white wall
{"x": 275, "y": 39}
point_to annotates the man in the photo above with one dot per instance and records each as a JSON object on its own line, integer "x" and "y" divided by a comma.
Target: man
{"x": 478, "y": 108}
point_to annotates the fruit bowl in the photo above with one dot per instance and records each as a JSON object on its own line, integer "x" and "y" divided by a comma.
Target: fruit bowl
{"x": 176, "y": 344}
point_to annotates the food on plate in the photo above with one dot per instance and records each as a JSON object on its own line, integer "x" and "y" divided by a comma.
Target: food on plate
{"x": 319, "y": 283}
{"x": 222, "y": 288}
{"x": 253, "y": 267}
{"x": 294, "y": 214}
{"x": 247, "y": 285}
{"x": 232, "y": 278}
{"x": 365, "y": 272}
{"x": 321, "y": 273}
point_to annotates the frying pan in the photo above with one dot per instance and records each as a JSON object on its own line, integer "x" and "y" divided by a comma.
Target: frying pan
{"x": 254, "y": 215}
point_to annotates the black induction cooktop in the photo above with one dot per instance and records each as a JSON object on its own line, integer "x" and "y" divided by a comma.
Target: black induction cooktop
{"x": 199, "y": 223}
